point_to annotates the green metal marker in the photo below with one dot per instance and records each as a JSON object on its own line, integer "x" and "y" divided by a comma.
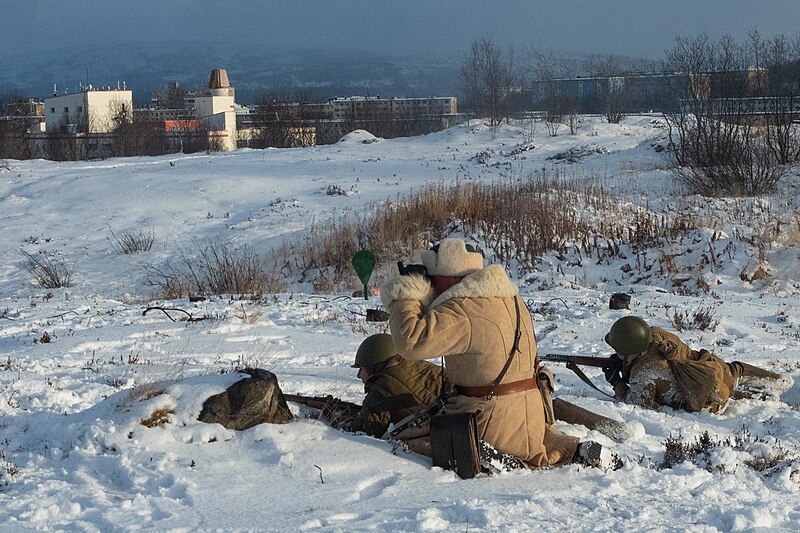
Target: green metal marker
{"x": 364, "y": 263}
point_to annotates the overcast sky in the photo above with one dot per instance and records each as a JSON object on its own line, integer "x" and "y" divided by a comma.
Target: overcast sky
{"x": 641, "y": 28}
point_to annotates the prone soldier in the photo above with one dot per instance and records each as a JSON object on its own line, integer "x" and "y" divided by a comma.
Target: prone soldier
{"x": 658, "y": 369}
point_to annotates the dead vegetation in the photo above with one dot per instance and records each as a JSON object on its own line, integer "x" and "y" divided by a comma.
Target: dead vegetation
{"x": 516, "y": 222}
{"x": 766, "y": 455}
{"x": 157, "y": 418}
{"x": 133, "y": 241}
{"x": 48, "y": 269}
{"x": 701, "y": 319}
{"x": 213, "y": 268}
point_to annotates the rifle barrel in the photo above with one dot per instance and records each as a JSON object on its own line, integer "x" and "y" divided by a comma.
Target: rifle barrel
{"x": 582, "y": 360}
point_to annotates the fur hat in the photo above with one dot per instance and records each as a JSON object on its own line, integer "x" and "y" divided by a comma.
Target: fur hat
{"x": 451, "y": 258}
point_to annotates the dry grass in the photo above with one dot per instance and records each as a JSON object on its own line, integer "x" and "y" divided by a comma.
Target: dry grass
{"x": 517, "y": 220}
{"x": 214, "y": 268}
{"x": 157, "y": 418}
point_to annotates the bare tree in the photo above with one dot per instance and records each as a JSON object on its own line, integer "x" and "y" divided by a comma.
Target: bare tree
{"x": 776, "y": 81}
{"x": 284, "y": 120}
{"x": 488, "y": 77}
{"x": 135, "y": 135}
{"x": 14, "y": 124}
{"x": 550, "y": 71}
{"x": 715, "y": 141}
{"x": 67, "y": 141}
{"x": 613, "y": 93}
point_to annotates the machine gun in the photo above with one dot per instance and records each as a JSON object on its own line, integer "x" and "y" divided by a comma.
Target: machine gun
{"x": 333, "y": 411}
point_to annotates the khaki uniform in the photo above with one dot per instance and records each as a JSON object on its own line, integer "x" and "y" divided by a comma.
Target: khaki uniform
{"x": 672, "y": 374}
{"x": 395, "y": 393}
{"x": 473, "y": 325}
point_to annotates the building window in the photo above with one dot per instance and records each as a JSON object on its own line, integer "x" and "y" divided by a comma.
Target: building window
{"x": 66, "y": 110}
{"x": 52, "y": 109}
{"x": 80, "y": 109}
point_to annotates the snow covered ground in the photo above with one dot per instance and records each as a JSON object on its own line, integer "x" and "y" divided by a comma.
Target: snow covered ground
{"x": 76, "y": 364}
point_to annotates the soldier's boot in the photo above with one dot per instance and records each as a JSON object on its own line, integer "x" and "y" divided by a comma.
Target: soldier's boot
{"x": 494, "y": 461}
{"x": 754, "y": 379}
{"x": 591, "y": 453}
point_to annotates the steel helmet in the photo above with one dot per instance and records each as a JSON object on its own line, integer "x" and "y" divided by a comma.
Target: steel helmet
{"x": 375, "y": 349}
{"x": 629, "y": 335}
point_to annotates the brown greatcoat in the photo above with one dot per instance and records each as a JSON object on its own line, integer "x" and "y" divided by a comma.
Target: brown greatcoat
{"x": 672, "y": 374}
{"x": 472, "y": 325}
{"x": 396, "y": 392}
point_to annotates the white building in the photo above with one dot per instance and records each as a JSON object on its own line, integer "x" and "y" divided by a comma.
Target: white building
{"x": 89, "y": 111}
{"x": 217, "y": 110}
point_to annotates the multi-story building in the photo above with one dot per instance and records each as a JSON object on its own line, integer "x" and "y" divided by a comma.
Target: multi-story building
{"x": 89, "y": 111}
{"x": 346, "y": 107}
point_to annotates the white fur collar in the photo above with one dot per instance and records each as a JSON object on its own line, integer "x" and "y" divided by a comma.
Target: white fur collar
{"x": 490, "y": 282}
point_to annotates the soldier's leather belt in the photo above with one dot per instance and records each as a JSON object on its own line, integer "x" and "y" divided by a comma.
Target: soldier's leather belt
{"x": 502, "y": 389}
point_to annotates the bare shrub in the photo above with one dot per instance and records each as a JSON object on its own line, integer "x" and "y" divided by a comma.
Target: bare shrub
{"x": 553, "y": 123}
{"x": 133, "y": 241}
{"x": 49, "y": 269}
{"x": 674, "y": 452}
{"x": 8, "y": 470}
{"x": 700, "y": 319}
{"x": 215, "y": 268}
{"x": 335, "y": 190}
{"x": 765, "y": 455}
{"x": 8, "y": 364}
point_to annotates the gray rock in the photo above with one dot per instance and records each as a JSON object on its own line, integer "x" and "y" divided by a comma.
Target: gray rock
{"x": 248, "y": 402}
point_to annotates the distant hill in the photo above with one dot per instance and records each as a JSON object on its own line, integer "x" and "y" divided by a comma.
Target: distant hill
{"x": 253, "y": 70}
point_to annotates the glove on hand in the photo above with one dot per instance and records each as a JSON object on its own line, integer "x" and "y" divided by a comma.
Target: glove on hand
{"x": 410, "y": 270}
{"x": 613, "y": 373}
{"x": 613, "y": 376}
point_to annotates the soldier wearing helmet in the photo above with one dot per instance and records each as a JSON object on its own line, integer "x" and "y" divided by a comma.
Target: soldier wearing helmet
{"x": 395, "y": 388}
{"x": 657, "y": 369}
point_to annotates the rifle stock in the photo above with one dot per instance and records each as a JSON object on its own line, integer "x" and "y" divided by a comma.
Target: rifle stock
{"x": 581, "y": 360}
{"x": 414, "y": 420}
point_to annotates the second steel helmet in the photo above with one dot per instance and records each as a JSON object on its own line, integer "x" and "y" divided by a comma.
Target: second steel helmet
{"x": 629, "y": 335}
{"x": 375, "y": 349}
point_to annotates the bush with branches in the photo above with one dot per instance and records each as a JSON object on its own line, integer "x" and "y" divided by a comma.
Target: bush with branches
{"x": 133, "y": 241}
{"x": 48, "y": 269}
{"x": 700, "y": 319}
{"x": 213, "y": 268}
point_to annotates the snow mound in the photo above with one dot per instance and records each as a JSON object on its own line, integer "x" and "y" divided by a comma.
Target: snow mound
{"x": 359, "y": 137}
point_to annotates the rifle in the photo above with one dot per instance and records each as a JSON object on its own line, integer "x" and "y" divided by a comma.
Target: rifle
{"x": 575, "y": 361}
{"x": 335, "y": 412}
{"x": 584, "y": 360}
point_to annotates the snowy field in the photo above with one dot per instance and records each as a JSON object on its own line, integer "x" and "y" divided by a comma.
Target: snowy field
{"x": 76, "y": 363}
